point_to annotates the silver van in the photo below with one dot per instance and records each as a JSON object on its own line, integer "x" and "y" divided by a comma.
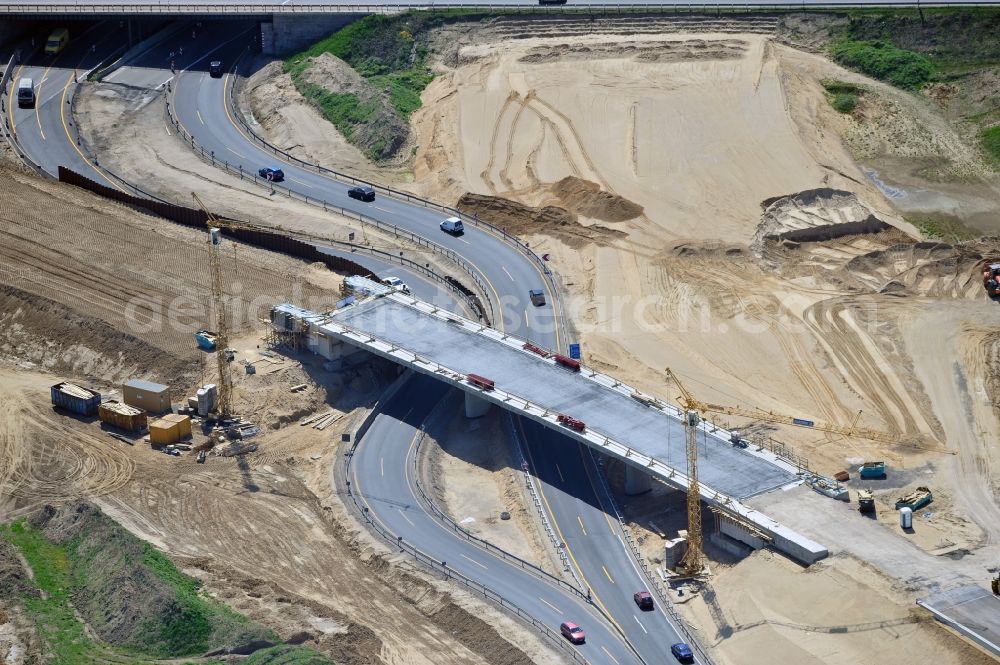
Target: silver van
{"x": 452, "y": 225}
{"x": 25, "y": 93}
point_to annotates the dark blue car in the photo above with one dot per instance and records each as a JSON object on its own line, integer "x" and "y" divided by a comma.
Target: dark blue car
{"x": 272, "y": 173}
{"x": 682, "y": 652}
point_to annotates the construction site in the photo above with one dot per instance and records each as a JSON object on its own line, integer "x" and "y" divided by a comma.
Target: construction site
{"x": 710, "y": 364}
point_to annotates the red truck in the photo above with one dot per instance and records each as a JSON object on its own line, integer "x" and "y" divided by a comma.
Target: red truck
{"x": 571, "y": 422}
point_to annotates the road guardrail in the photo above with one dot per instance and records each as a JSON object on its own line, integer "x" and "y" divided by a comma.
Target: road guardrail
{"x": 485, "y": 311}
{"x": 441, "y": 567}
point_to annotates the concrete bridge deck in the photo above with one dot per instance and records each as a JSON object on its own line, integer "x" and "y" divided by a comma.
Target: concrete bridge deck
{"x": 648, "y": 435}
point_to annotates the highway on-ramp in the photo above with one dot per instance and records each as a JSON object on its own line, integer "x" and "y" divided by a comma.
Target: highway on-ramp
{"x": 202, "y": 107}
{"x": 382, "y": 476}
{"x": 575, "y": 505}
{"x": 45, "y": 132}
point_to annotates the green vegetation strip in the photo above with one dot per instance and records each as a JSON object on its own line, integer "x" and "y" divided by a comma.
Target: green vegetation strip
{"x": 52, "y": 609}
{"x": 104, "y": 571}
{"x": 881, "y": 60}
{"x": 990, "y": 139}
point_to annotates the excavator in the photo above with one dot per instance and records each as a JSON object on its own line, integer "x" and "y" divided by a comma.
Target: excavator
{"x": 991, "y": 278}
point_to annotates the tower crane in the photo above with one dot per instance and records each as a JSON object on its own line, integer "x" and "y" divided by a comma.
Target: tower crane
{"x": 224, "y": 404}
{"x": 693, "y": 561}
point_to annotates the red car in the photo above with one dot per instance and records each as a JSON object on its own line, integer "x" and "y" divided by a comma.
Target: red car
{"x": 572, "y": 632}
{"x": 644, "y": 600}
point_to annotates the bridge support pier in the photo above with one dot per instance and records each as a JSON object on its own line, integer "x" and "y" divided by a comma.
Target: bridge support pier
{"x": 637, "y": 481}
{"x": 475, "y": 407}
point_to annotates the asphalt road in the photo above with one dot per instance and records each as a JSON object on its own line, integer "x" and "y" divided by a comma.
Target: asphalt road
{"x": 203, "y": 109}
{"x": 573, "y": 494}
{"x": 381, "y": 474}
{"x": 45, "y": 131}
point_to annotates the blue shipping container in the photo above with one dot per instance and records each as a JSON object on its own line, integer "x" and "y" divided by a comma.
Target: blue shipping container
{"x": 75, "y": 398}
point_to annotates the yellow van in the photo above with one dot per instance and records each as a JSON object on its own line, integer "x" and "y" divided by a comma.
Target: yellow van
{"x": 57, "y": 41}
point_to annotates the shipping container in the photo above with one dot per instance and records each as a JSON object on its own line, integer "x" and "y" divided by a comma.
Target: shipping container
{"x": 183, "y": 424}
{"x": 123, "y": 416}
{"x": 77, "y": 399}
{"x": 146, "y": 395}
{"x": 163, "y": 432}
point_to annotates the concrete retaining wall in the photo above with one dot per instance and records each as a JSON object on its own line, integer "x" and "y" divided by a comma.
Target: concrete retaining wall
{"x": 286, "y": 34}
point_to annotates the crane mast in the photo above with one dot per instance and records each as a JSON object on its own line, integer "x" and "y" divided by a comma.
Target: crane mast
{"x": 224, "y": 404}
{"x": 693, "y": 561}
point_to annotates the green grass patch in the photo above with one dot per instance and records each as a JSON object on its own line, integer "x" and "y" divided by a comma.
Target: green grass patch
{"x": 52, "y": 611}
{"x": 287, "y": 655}
{"x": 945, "y": 229}
{"x": 844, "y": 102}
{"x": 843, "y": 96}
{"x": 884, "y": 61}
{"x": 344, "y": 110}
{"x": 127, "y": 592}
{"x": 389, "y": 51}
{"x": 990, "y": 140}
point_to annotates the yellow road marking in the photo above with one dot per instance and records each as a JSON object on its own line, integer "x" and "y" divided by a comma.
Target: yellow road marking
{"x": 582, "y": 528}
{"x": 583, "y": 577}
{"x": 10, "y": 106}
{"x": 69, "y": 137}
{"x": 607, "y": 574}
{"x": 550, "y": 605}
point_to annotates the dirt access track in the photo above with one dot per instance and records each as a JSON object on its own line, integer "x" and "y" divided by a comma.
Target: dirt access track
{"x": 267, "y": 534}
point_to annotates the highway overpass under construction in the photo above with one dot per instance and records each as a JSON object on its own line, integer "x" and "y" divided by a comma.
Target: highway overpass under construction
{"x": 495, "y": 368}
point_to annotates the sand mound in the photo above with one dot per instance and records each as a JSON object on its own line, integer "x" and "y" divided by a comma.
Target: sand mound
{"x": 815, "y": 214}
{"x": 669, "y": 51}
{"x": 587, "y": 199}
{"x": 519, "y": 219}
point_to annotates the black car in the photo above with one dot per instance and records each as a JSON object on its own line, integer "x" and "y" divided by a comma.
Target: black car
{"x": 215, "y": 69}
{"x": 272, "y": 173}
{"x": 537, "y": 297}
{"x": 362, "y": 193}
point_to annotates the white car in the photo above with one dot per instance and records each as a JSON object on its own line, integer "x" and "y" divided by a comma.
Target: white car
{"x": 396, "y": 283}
{"x": 453, "y": 225}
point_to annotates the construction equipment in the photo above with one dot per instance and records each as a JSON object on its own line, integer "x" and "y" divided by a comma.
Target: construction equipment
{"x": 916, "y": 499}
{"x": 995, "y": 585}
{"x": 866, "y": 500}
{"x": 224, "y": 403}
{"x": 871, "y": 470}
{"x": 991, "y": 278}
{"x": 689, "y": 403}
{"x": 693, "y": 562}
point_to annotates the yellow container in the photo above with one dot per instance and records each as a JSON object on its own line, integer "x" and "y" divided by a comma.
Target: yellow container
{"x": 162, "y": 432}
{"x": 183, "y": 424}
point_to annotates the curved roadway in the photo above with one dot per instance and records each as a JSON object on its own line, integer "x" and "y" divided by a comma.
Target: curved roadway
{"x": 202, "y": 107}
{"x": 45, "y": 131}
{"x": 381, "y": 475}
{"x": 574, "y": 500}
